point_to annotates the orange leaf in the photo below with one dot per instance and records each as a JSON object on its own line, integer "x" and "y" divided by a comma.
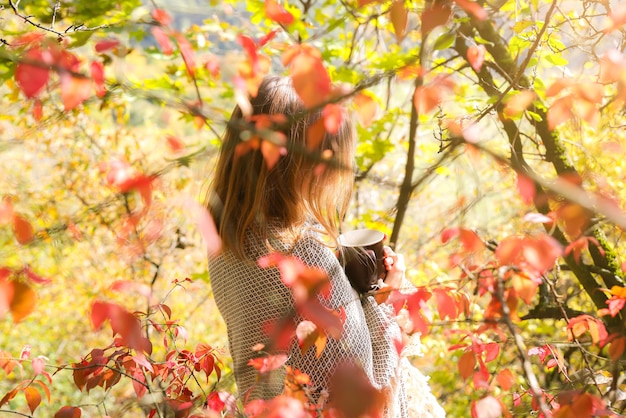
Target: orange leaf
{"x": 33, "y": 398}
{"x": 560, "y": 112}
{"x": 6, "y": 292}
{"x": 467, "y": 362}
{"x": 366, "y": 108}
{"x": 315, "y": 135}
{"x": 74, "y": 90}
{"x": 23, "y": 302}
{"x": 398, "y": 14}
{"x": 524, "y": 287}
{"x": 22, "y": 229}
{"x": 277, "y": 13}
{"x": 426, "y": 98}
{"x": 310, "y": 79}
{"x": 517, "y": 104}
{"x": 435, "y": 16}
{"x": 476, "y": 56}
{"x": 616, "y": 349}
{"x": 505, "y": 379}
{"x": 333, "y": 116}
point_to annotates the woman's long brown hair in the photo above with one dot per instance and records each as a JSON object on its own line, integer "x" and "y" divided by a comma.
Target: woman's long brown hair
{"x": 247, "y": 194}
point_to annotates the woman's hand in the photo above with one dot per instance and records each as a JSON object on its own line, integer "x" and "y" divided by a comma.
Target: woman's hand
{"x": 394, "y": 263}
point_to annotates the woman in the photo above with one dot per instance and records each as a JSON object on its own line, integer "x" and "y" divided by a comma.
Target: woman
{"x": 293, "y": 207}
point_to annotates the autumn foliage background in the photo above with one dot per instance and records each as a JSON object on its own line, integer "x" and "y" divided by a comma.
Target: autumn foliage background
{"x": 491, "y": 152}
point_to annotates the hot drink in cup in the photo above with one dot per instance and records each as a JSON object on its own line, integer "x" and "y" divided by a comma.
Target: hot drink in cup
{"x": 361, "y": 256}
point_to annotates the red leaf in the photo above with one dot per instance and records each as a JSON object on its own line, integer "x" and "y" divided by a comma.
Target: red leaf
{"x": 467, "y": 363}
{"x": 68, "y": 412}
{"x": 162, "y": 17}
{"x": 269, "y": 363}
{"x": 476, "y": 56}
{"x": 277, "y": 13}
{"x": 174, "y": 144}
{"x": 398, "y": 14}
{"x": 187, "y": 52}
{"x": 470, "y": 241}
{"x": 23, "y": 302}
{"x": 22, "y": 229}
{"x": 74, "y": 90}
{"x": 33, "y": 277}
{"x": 139, "y": 383}
{"x": 97, "y": 75}
{"x": 163, "y": 40}
{"x": 215, "y": 402}
{"x": 446, "y": 304}
{"x": 32, "y": 78}
{"x": 472, "y": 8}
{"x": 526, "y": 188}
{"x": 436, "y": 15}
{"x": 33, "y": 398}
{"x": 333, "y": 115}
{"x": 106, "y": 44}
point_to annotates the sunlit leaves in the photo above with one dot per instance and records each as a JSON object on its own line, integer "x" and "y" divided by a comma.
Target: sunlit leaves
{"x": 583, "y": 324}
